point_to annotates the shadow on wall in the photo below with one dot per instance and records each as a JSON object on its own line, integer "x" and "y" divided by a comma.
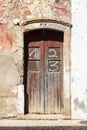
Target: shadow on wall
{"x": 83, "y": 122}
{"x": 80, "y": 105}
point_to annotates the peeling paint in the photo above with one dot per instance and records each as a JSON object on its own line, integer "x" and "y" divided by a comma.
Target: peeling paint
{"x": 14, "y": 90}
{"x": 7, "y": 41}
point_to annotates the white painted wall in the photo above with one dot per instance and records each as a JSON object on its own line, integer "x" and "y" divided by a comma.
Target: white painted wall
{"x": 79, "y": 59}
{"x": 21, "y": 99}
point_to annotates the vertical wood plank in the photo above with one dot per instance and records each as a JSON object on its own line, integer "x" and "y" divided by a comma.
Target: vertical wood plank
{"x": 41, "y": 90}
{"x": 51, "y": 96}
{"x": 35, "y": 78}
{"x": 54, "y": 77}
{"x": 36, "y": 101}
{"x": 57, "y": 92}
{"x": 30, "y": 86}
{"x": 46, "y": 76}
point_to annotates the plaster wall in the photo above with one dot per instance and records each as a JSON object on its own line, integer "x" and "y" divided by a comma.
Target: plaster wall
{"x": 79, "y": 60}
{"x": 15, "y": 12}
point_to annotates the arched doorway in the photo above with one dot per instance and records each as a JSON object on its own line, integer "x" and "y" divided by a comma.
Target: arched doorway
{"x": 43, "y": 63}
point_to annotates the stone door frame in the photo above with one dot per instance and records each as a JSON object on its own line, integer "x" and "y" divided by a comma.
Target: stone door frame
{"x": 57, "y": 26}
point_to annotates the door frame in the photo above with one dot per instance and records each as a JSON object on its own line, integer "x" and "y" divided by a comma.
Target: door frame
{"x": 57, "y": 26}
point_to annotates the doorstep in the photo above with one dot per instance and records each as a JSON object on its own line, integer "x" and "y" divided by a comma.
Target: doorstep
{"x": 43, "y": 123}
{"x": 44, "y": 117}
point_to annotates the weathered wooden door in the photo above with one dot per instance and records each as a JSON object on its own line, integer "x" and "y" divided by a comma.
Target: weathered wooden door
{"x": 44, "y": 76}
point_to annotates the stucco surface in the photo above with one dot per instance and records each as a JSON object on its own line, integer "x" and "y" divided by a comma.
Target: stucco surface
{"x": 50, "y": 9}
{"x": 26, "y": 10}
{"x": 9, "y": 75}
{"x": 9, "y": 78}
{"x": 79, "y": 60}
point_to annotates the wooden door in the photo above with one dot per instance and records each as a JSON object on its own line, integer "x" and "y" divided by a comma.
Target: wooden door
{"x": 44, "y": 77}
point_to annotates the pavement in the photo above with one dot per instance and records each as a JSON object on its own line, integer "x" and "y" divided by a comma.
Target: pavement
{"x": 43, "y": 124}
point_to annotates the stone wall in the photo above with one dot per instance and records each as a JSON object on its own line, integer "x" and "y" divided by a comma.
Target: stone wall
{"x": 12, "y": 14}
{"x": 45, "y": 9}
{"x": 26, "y": 10}
{"x": 11, "y": 59}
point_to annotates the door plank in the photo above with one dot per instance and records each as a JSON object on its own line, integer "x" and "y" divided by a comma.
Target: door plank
{"x": 51, "y": 92}
{"x": 46, "y": 77}
{"x": 42, "y": 91}
{"x": 36, "y": 84}
{"x": 35, "y": 78}
{"x": 57, "y": 92}
{"x": 53, "y": 60}
{"x": 30, "y": 92}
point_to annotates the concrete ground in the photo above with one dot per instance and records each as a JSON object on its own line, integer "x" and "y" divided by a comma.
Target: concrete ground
{"x": 43, "y": 125}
